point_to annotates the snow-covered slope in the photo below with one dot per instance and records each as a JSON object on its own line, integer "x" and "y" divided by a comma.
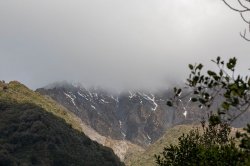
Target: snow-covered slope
{"x": 137, "y": 116}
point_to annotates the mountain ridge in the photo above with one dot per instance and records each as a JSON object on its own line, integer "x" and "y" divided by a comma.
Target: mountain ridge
{"x": 19, "y": 93}
{"x": 36, "y": 130}
{"x": 136, "y": 116}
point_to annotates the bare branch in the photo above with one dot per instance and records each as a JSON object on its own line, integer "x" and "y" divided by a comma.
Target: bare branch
{"x": 243, "y": 18}
{"x": 244, "y": 6}
{"x": 244, "y": 36}
{"x": 237, "y": 10}
{"x": 242, "y": 112}
{"x": 244, "y": 10}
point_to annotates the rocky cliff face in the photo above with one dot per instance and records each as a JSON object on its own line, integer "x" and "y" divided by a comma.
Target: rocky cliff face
{"x": 139, "y": 117}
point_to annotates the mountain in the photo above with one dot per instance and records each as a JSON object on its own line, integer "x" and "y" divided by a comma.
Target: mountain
{"x": 137, "y": 116}
{"x": 35, "y": 130}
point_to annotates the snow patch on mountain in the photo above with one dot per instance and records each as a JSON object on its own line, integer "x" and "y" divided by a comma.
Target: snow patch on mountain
{"x": 71, "y": 98}
{"x": 148, "y": 137}
{"x": 104, "y": 101}
{"x": 85, "y": 97}
{"x": 152, "y": 99}
{"x": 116, "y": 99}
{"x": 131, "y": 95}
{"x": 185, "y": 114}
{"x": 124, "y": 135}
{"x": 93, "y": 107}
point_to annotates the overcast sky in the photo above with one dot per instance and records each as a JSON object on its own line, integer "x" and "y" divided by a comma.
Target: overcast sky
{"x": 115, "y": 43}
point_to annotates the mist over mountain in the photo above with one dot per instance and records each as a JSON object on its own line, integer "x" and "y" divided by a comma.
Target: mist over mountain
{"x": 114, "y": 44}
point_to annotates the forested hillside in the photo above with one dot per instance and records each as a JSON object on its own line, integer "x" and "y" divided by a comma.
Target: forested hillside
{"x": 30, "y": 135}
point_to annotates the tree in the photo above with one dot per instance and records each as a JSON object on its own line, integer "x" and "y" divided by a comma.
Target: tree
{"x": 225, "y": 96}
{"x": 230, "y": 91}
{"x": 212, "y": 146}
{"x": 244, "y": 10}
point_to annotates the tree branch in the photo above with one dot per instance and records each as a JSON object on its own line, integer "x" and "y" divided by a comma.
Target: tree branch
{"x": 244, "y": 10}
{"x": 244, "y": 36}
{"x": 243, "y": 5}
{"x": 237, "y": 10}
{"x": 243, "y": 18}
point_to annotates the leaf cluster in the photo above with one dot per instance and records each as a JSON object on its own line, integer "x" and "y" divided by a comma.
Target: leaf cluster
{"x": 207, "y": 87}
{"x": 213, "y": 146}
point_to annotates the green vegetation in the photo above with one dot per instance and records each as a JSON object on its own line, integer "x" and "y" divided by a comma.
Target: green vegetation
{"x": 19, "y": 93}
{"x": 171, "y": 136}
{"x": 31, "y": 135}
{"x": 213, "y": 146}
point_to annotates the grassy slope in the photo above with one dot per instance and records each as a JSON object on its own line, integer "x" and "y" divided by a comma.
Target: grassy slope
{"x": 17, "y": 92}
{"x": 170, "y": 137}
{"x": 30, "y": 133}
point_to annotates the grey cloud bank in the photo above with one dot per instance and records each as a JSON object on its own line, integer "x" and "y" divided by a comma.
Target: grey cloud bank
{"x": 114, "y": 43}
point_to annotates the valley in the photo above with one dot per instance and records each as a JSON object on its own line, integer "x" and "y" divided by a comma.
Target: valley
{"x": 135, "y": 125}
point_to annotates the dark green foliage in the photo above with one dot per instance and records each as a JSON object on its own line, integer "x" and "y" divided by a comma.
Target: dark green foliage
{"x": 245, "y": 142}
{"x": 212, "y": 146}
{"x": 224, "y": 84}
{"x": 31, "y": 136}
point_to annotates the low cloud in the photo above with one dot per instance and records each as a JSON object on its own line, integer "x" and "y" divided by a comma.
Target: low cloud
{"x": 114, "y": 43}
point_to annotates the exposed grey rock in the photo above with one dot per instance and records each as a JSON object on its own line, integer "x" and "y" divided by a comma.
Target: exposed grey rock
{"x": 139, "y": 117}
